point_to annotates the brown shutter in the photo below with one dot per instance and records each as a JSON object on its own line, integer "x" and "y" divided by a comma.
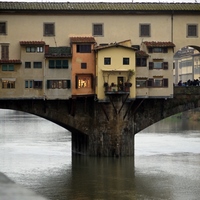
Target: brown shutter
{"x": 76, "y": 81}
{"x": 150, "y": 82}
{"x": 4, "y": 52}
{"x": 165, "y": 82}
{"x": 150, "y": 65}
{"x": 165, "y": 65}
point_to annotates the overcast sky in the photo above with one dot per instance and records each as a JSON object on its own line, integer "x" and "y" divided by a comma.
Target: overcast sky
{"x": 120, "y": 1}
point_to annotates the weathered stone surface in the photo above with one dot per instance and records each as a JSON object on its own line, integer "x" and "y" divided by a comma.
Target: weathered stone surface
{"x": 107, "y": 129}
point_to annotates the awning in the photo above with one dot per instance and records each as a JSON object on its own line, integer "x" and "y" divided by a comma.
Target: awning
{"x": 8, "y": 79}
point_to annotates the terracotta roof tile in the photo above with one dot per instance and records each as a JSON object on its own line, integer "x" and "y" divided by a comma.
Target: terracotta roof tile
{"x": 10, "y": 62}
{"x": 98, "y": 6}
{"x": 113, "y": 45}
{"x": 141, "y": 54}
{"x": 32, "y": 43}
{"x": 159, "y": 44}
{"x": 82, "y": 40}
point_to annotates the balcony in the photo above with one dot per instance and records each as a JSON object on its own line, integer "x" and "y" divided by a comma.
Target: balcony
{"x": 114, "y": 90}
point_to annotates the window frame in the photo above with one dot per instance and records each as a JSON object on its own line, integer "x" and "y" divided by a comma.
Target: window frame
{"x": 59, "y": 84}
{"x": 140, "y": 60}
{"x": 107, "y": 60}
{"x": 142, "y": 32}
{"x": 27, "y": 65}
{"x": 126, "y": 61}
{"x": 3, "y": 28}
{"x": 37, "y": 65}
{"x": 8, "y": 67}
{"x": 64, "y": 64}
{"x": 190, "y": 32}
{"x": 83, "y": 65}
{"x": 11, "y": 84}
{"x": 98, "y": 33}
{"x": 49, "y": 31}
{"x": 83, "y": 48}
{"x": 5, "y": 51}
{"x": 79, "y": 81}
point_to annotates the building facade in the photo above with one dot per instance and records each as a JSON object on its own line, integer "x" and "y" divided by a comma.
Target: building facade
{"x": 40, "y": 47}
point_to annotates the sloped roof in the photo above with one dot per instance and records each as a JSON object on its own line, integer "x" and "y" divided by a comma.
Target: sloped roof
{"x": 58, "y": 52}
{"x": 98, "y": 48}
{"x": 32, "y": 43}
{"x": 91, "y": 6}
{"x": 82, "y": 40}
{"x": 141, "y": 54}
{"x": 10, "y": 62}
{"x": 159, "y": 44}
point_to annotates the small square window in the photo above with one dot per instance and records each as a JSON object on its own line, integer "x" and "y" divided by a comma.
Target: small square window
{"x": 97, "y": 29}
{"x": 144, "y": 30}
{"x": 192, "y": 30}
{"x": 107, "y": 61}
{"x": 49, "y": 29}
{"x": 2, "y": 28}
{"x": 27, "y": 64}
{"x": 37, "y": 64}
{"x": 125, "y": 61}
{"x": 83, "y": 65}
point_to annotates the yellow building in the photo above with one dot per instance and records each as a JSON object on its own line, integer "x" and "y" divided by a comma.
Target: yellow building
{"x": 115, "y": 69}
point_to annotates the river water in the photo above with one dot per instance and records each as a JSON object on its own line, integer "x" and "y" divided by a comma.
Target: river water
{"x": 37, "y": 154}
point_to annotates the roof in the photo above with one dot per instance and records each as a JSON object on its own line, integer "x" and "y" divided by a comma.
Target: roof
{"x": 98, "y": 48}
{"x": 159, "y": 44}
{"x": 10, "y": 62}
{"x": 141, "y": 54}
{"x": 101, "y": 7}
{"x": 32, "y": 43}
{"x": 58, "y": 52}
{"x": 82, "y": 40}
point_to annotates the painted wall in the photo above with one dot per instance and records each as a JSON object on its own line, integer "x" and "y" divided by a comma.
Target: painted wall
{"x": 110, "y": 73}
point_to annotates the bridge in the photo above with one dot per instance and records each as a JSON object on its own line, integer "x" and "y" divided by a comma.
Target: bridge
{"x": 107, "y": 129}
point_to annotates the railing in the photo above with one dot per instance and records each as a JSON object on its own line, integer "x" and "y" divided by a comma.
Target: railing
{"x": 117, "y": 89}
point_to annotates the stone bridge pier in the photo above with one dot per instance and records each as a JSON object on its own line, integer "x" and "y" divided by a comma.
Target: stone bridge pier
{"x": 110, "y": 133}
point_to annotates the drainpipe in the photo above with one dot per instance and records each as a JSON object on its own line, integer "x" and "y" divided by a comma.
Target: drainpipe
{"x": 172, "y": 26}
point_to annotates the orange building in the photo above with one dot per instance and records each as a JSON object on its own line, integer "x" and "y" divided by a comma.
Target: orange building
{"x": 83, "y": 66}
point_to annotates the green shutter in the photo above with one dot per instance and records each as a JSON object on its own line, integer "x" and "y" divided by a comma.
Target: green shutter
{"x": 68, "y": 83}
{"x": 51, "y": 64}
{"x": 65, "y": 64}
{"x": 58, "y": 63}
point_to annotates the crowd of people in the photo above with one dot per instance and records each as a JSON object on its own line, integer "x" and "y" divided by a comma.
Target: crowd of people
{"x": 195, "y": 82}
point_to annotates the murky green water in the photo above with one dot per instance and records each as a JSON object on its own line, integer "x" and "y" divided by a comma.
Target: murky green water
{"x": 37, "y": 154}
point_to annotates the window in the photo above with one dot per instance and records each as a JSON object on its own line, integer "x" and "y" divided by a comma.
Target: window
{"x": 34, "y": 49}
{"x": 7, "y": 67}
{"x": 8, "y": 84}
{"x": 157, "y": 82}
{"x": 83, "y": 81}
{"x": 37, "y": 84}
{"x": 37, "y": 64}
{"x": 58, "y": 84}
{"x": 4, "y": 52}
{"x": 27, "y": 64}
{"x": 83, "y": 48}
{"x": 2, "y": 28}
{"x": 83, "y": 65}
{"x": 107, "y": 61}
{"x": 97, "y": 29}
{"x": 58, "y": 64}
{"x": 141, "y": 62}
{"x": 49, "y": 29}
{"x": 192, "y": 30}
{"x": 28, "y": 83}
{"x": 141, "y": 82}
{"x": 158, "y": 50}
{"x": 125, "y": 61}
{"x": 144, "y": 30}
{"x": 158, "y": 64}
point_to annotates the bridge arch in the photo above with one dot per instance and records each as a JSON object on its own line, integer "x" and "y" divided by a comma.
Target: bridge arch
{"x": 99, "y": 129}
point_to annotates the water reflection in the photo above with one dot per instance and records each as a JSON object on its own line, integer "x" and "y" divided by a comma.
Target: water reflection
{"x": 37, "y": 154}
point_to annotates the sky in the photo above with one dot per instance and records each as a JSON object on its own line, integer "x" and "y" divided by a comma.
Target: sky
{"x": 119, "y": 1}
